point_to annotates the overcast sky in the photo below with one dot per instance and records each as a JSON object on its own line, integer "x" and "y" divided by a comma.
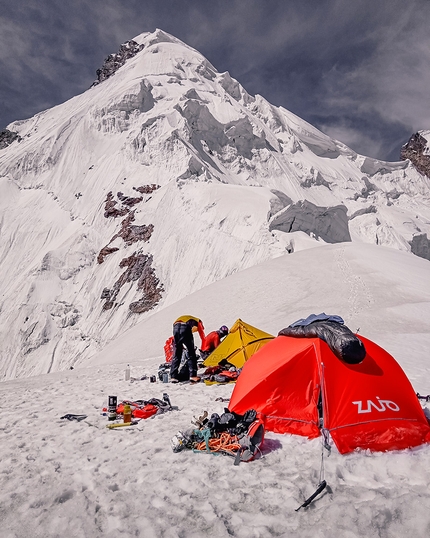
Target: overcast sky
{"x": 359, "y": 70}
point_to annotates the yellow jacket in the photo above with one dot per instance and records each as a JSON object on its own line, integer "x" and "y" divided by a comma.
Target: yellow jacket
{"x": 200, "y": 328}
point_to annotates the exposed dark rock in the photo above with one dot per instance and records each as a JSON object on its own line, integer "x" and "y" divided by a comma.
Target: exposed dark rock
{"x": 420, "y": 246}
{"x": 138, "y": 269}
{"x": 149, "y": 284}
{"x": 7, "y": 137}
{"x": 108, "y": 305}
{"x": 114, "y": 61}
{"x": 131, "y": 233}
{"x": 147, "y": 189}
{"x": 128, "y": 200}
{"x": 105, "y": 251}
{"x": 414, "y": 151}
{"x": 105, "y": 293}
{"x": 327, "y": 223}
{"x": 111, "y": 210}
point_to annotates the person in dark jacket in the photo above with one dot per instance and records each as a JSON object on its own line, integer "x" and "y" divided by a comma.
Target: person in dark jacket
{"x": 212, "y": 341}
{"x": 183, "y": 329}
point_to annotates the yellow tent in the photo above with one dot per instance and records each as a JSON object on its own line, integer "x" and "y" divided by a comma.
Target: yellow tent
{"x": 239, "y": 345}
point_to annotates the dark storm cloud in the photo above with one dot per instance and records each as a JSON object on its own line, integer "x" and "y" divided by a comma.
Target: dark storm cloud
{"x": 358, "y": 70}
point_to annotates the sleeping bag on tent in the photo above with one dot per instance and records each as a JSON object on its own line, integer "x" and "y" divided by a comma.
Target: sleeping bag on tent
{"x": 301, "y": 386}
{"x": 341, "y": 340}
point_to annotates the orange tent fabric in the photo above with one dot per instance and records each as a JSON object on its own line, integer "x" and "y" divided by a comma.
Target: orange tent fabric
{"x": 368, "y": 405}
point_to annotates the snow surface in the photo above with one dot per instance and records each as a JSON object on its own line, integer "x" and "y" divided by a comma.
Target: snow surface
{"x": 226, "y": 162}
{"x": 79, "y": 479}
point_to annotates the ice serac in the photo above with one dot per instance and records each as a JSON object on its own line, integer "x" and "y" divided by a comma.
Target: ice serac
{"x": 327, "y": 223}
{"x": 160, "y": 179}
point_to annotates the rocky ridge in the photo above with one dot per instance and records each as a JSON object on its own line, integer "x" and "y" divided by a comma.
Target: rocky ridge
{"x": 416, "y": 150}
{"x": 114, "y": 61}
{"x": 7, "y": 137}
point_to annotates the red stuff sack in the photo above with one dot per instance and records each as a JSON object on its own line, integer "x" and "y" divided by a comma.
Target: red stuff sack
{"x": 169, "y": 349}
{"x": 145, "y": 412}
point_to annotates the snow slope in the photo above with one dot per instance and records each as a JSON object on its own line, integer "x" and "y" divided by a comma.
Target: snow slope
{"x": 383, "y": 293}
{"x": 61, "y": 478}
{"x": 160, "y": 180}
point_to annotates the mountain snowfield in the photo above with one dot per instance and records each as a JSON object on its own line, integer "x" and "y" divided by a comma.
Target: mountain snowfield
{"x": 162, "y": 179}
{"x": 78, "y": 479}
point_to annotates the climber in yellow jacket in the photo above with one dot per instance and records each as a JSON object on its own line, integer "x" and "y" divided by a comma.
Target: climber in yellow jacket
{"x": 183, "y": 329}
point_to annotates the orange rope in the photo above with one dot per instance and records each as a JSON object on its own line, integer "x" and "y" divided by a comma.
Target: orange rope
{"x": 224, "y": 443}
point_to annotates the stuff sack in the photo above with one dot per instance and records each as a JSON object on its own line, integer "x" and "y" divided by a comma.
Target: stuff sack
{"x": 169, "y": 349}
{"x": 145, "y": 412}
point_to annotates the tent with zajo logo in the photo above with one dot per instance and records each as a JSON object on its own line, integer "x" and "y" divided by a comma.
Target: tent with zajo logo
{"x": 301, "y": 387}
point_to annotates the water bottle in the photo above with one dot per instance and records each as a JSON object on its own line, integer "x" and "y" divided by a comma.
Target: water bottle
{"x": 127, "y": 413}
{"x": 127, "y": 373}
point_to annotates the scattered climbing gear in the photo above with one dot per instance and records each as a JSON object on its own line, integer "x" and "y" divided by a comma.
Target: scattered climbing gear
{"x": 224, "y": 444}
{"x": 221, "y": 374}
{"x": 146, "y": 408}
{"x": 238, "y": 436}
{"x": 201, "y": 421}
{"x": 182, "y": 441}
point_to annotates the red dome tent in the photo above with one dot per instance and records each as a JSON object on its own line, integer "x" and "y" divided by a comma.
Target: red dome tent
{"x": 367, "y": 405}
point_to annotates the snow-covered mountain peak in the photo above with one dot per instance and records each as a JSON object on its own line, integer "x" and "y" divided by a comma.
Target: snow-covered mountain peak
{"x": 161, "y": 179}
